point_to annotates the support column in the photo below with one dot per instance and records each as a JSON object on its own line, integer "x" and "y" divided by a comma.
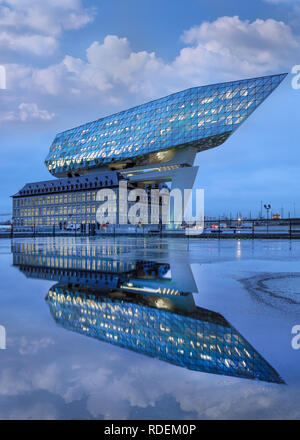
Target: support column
{"x": 183, "y": 178}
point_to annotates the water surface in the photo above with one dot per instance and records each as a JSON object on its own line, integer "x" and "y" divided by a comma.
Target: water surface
{"x": 129, "y": 328}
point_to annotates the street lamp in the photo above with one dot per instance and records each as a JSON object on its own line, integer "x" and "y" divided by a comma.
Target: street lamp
{"x": 267, "y": 208}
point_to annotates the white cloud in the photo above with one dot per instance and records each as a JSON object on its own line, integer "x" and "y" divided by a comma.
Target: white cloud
{"x": 282, "y": 1}
{"x": 112, "y": 391}
{"x": 34, "y": 26}
{"x": 48, "y": 17}
{"x": 239, "y": 47}
{"x": 226, "y": 49}
{"x": 292, "y": 7}
{"x": 27, "y": 112}
{"x": 113, "y": 75}
{"x": 113, "y": 64}
{"x": 76, "y": 20}
{"x": 37, "y": 44}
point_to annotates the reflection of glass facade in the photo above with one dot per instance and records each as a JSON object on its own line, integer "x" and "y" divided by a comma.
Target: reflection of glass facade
{"x": 105, "y": 292}
{"x": 199, "y": 339}
{"x": 200, "y": 117}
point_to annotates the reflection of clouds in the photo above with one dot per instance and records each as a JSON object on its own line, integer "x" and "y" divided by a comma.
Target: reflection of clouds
{"x": 65, "y": 375}
{"x": 13, "y": 381}
{"x": 34, "y": 411}
{"x": 28, "y": 346}
{"x": 111, "y": 384}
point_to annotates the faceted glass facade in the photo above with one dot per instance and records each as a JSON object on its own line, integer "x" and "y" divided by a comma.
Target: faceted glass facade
{"x": 201, "y": 340}
{"x": 200, "y": 117}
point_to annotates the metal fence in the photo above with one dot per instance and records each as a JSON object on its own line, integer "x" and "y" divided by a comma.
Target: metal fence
{"x": 285, "y": 228}
{"x": 221, "y": 228}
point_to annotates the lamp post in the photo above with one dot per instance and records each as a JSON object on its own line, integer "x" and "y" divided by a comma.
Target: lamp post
{"x": 239, "y": 222}
{"x": 267, "y": 208}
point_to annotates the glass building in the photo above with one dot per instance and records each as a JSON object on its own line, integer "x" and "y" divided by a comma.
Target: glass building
{"x": 147, "y": 145}
{"x": 200, "y": 117}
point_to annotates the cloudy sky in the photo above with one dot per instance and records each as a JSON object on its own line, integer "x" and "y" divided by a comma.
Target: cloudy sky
{"x": 71, "y": 61}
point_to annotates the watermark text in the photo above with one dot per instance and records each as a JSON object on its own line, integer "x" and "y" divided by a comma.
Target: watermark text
{"x": 154, "y": 207}
{"x": 296, "y": 339}
{"x": 2, "y": 338}
{"x": 296, "y": 78}
{"x": 2, "y": 78}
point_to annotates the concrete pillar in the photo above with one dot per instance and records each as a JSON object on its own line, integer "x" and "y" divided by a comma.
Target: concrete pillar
{"x": 183, "y": 178}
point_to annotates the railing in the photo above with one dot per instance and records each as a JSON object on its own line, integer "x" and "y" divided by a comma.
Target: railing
{"x": 85, "y": 230}
{"x": 254, "y": 228}
{"x": 285, "y": 228}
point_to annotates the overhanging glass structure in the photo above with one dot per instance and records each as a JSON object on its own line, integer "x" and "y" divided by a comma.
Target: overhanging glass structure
{"x": 200, "y": 118}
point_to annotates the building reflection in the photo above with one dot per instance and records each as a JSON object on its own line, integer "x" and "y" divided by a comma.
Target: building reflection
{"x": 139, "y": 305}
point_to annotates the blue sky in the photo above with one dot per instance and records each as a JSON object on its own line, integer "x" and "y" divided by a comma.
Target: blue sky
{"x": 71, "y": 61}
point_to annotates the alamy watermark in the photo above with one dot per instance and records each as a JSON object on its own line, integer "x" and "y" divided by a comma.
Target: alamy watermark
{"x": 2, "y": 338}
{"x": 152, "y": 207}
{"x": 296, "y": 78}
{"x": 2, "y": 77}
{"x": 296, "y": 339}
